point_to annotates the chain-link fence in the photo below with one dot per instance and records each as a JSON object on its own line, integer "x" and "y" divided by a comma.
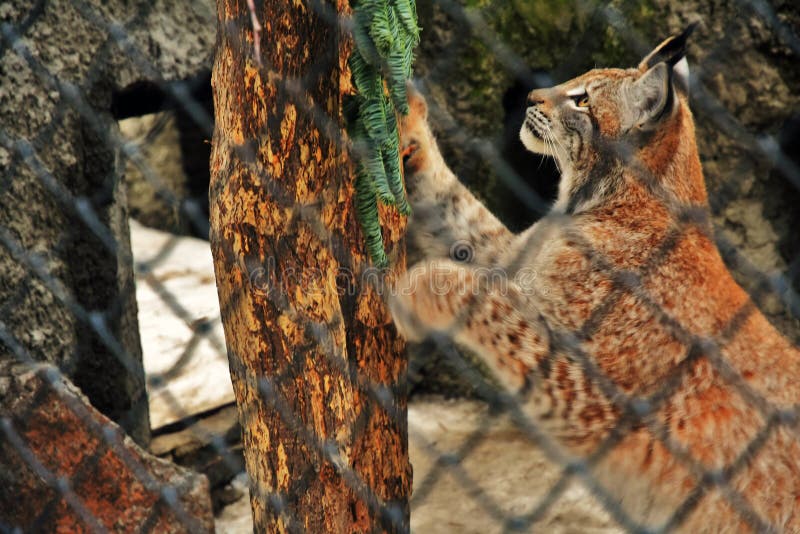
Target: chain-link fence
{"x": 116, "y": 308}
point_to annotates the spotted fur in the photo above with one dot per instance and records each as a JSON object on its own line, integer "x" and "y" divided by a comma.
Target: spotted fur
{"x": 613, "y": 319}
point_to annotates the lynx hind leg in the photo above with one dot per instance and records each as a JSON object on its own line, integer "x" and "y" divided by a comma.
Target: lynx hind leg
{"x": 492, "y": 317}
{"x": 416, "y": 138}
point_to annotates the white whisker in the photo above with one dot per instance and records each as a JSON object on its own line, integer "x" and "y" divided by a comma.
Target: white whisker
{"x": 563, "y": 149}
{"x": 548, "y": 136}
{"x": 549, "y": 139}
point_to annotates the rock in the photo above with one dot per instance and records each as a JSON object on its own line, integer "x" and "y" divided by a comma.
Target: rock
{"x": 190, "y": 394}
{"x": 238, "y": 489}
{"x": 209, "y": 443}
{"x": 157, "y": 138}
{"x": 167, "y": 179}
{"x": 60, "y": 63}
{"x": 192, "y": 435}
{"x": 236, "y": 518}
{"x": 183, "y": 344}
{"x": 171, "y": 40}
{"x": 68, "y": 468}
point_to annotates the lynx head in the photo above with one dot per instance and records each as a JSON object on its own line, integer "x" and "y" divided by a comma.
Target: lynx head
{"x": 606, "y": 116}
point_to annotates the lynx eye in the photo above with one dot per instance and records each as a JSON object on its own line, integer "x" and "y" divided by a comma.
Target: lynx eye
{"x": 582, "y": 101}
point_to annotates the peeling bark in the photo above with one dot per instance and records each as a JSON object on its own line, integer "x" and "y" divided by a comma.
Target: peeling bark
{"x": 317, "y": 367}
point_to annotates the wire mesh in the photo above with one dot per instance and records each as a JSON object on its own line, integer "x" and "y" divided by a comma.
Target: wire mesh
{"x": 635, "y": 410}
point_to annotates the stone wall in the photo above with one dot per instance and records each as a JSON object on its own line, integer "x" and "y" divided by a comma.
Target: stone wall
{"x": 67, "y": 285}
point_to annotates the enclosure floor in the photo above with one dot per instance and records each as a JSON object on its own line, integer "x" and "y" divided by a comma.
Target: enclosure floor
{"x": 501, "y": 476}
{"x": 179, "y": 324}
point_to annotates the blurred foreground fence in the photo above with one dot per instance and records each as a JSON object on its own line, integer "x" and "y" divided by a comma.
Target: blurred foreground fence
{"x": 69, "y": 70}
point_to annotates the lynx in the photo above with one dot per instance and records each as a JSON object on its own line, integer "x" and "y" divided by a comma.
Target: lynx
{"x": 613, "y": 320}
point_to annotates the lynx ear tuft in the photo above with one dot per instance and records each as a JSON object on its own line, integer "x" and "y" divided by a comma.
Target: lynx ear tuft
{"x": 672, "y": 51}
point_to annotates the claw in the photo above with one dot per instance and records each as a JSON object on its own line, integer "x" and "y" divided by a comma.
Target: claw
{"x": 408, "y": 150}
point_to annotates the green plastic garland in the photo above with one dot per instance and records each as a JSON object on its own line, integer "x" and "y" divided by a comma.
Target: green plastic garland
{"x": 385, "y": 34}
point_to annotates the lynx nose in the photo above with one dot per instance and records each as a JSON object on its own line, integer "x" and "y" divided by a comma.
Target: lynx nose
{"x": 535, "y": 98}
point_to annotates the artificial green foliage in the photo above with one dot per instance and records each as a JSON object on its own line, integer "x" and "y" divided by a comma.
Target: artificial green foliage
{"x": 385, "y": 34}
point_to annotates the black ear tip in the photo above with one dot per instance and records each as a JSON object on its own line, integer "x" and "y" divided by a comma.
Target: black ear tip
{"x": 676, "y": 48}
{"x": 672, "y": 50}
{"x": 688, "y": 31}
{"x": 679, "y": 41}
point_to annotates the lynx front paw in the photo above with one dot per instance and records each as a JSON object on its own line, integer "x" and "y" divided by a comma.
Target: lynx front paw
{"x": 430, "y": 299}
{"x": 408, "y": 326}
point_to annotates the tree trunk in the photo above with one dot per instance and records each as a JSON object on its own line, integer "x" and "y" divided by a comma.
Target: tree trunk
{"x": 317, "y": 368}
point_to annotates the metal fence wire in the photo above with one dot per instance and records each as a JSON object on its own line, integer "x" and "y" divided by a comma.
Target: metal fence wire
{"x": 28, "y": 154}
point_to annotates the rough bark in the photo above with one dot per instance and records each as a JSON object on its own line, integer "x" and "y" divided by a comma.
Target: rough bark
{"x": 317, "y": 368}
